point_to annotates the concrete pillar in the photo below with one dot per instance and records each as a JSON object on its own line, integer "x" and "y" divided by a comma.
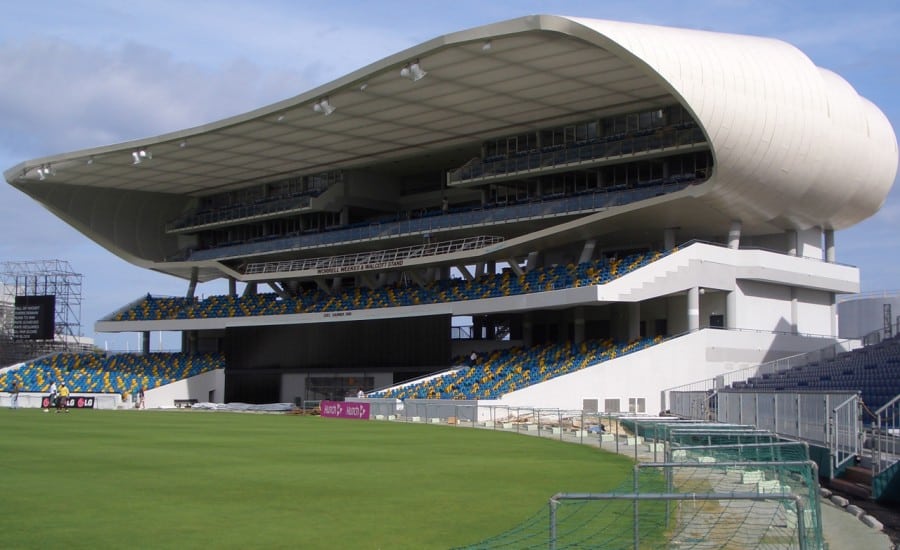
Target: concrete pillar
{"x": 145, "y": 342}
{"x": 464, "y": 271}
{"x": 634, "y": 321}
{"x": 366, "y": 280}
{"x": 669, "y": 238}
{"x": 532, "y": 262}
{"x": 321, "y": 283}
{"x": 527, "y": 326}
{"x": 587, "y": 251}
{"x": 829, "y": 246}
{"x": 794, "y": 312}
{"x": 514, "y": 265}
{"x": 731, "y": 310}
{"x": 693, "y": 309}
{"x": 232, "y": 286}
{"x": 578, "y": 323}
{"x": 834, "y": 316}
{"x": 192, "y": 286}
{"x": 734, "y": 235}
{"x": 792, "y": 242}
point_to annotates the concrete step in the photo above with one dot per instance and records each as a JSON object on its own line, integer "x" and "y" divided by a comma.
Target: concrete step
{"x": 858, "y": 474}
{"x": 850, "y": 488}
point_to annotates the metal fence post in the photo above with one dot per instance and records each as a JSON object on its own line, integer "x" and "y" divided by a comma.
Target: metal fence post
{"x": 552, "y": 544}
{"x": 636, "y": 536}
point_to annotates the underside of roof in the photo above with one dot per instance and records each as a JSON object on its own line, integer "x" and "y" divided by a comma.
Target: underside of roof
{"x": 479, "y": 85}
{"x": 794, "y": 147}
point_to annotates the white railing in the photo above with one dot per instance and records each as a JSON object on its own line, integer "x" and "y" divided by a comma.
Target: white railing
{"x": 377, "y": 259}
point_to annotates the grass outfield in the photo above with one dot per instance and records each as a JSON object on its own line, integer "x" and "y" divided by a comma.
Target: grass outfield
{"x": 152, "y": 479}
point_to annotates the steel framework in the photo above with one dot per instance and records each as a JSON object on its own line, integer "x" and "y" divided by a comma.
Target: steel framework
{"x": 40, "y": 277}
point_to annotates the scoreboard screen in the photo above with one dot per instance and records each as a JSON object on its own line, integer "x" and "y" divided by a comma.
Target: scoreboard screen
{"x": 34, "y": 318}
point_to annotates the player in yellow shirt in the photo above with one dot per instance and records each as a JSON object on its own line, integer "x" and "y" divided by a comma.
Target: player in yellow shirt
{"x": 63, "y": 401}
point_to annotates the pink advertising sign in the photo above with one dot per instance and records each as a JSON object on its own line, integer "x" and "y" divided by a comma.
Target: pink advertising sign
{"x": 343, "y": 409}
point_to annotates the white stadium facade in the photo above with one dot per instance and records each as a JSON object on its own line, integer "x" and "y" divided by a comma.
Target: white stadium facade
{"x": 724, "y": 163}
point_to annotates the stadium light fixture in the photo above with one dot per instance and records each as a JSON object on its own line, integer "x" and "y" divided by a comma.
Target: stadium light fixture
{"x": 413, "y": 71}
{"x": 324, "y": 107}
{"x": 140, "y": 155}
{"x": 44, "y": 170}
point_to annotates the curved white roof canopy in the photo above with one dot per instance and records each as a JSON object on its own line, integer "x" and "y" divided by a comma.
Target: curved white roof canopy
{"x": 794, "y": 145}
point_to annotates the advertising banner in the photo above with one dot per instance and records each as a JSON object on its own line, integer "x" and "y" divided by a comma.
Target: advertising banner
{"x": 342, "y": 409}
{"x": 74, "y": 402}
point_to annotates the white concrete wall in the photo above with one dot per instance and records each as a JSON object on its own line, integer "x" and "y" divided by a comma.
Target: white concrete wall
{"x": 763, "y": 306}
{"x": 197, "y": 387}
{"x": 645, "y": 374}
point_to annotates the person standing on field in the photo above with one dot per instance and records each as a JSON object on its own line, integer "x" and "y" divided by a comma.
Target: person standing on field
{"x": 62, "y": 402}
{"x": 53, "y": 396}
{"x": 14, "y": 396}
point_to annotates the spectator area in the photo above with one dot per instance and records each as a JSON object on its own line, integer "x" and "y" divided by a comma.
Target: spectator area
{"x": 505, "y": 371}
{"x": 873, "y": 370}
{"x": 313, "y": 301}
{"x": 101, "y": 373}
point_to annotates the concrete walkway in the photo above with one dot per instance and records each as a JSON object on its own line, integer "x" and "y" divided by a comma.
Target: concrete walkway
{"x": 841, "y": 529}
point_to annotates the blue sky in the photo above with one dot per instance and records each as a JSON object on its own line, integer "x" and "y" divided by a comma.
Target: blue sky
{"x": 83, "y": 73}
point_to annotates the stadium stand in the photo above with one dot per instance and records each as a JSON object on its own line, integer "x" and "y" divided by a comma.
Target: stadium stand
{"x": 554, "y": 208}
{"x": 101, "y": 373}
{"x": 487, "y": 286}
{"x": 874, "y": 371}
{"x": 506, "y": 371}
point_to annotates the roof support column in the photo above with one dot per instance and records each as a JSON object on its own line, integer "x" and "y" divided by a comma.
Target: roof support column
{"x": 416, "y": 277}
{"x": 491, "y": 267}
{"x": 366, "y": 279}
{"x": 669, "y": 238}
{"x": 527, "y": 327}
{"x": 278, "y": 290}
{"x": 464, "y": 270}
{"x": 192, "y": 286}
{"x": 794, "y": 311}
{"x": 829, "y": 246}
{"x": 731, "y": 309}
{"x": 532, "y": 262}
{"x": 578, "y": 322}
{"x": 232, "y": 286}
{"x": 587, "y": 251}
{"x": 514, "y": 265}
{"x": 792, "y": 239}
{"x": 734, "y": 235}
{"x": 634, "y": 321}
{"x": 320, "y": 282}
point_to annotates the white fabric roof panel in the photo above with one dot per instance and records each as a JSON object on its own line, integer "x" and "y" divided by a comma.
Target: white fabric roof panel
{"x": 790, "y": 139}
